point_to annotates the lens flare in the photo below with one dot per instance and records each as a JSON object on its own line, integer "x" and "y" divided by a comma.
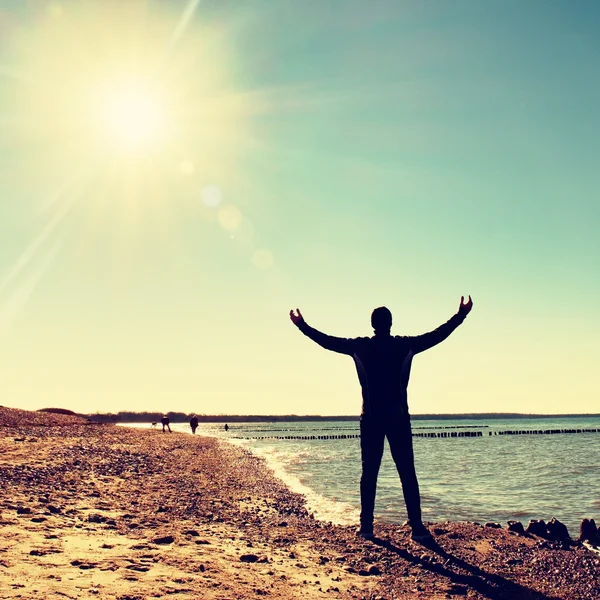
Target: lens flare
{"x": 211, "y": 195}
{"x": 230, "y": 218}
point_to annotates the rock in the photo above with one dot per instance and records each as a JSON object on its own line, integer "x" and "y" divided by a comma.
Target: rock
{"x": 515, "y": 526}
{"x": 493, "y": 525}
{"x": 167, "y": 539}
{"x": 374, "y": 570}
{"x": 23, "y": 510}
{"x": 136, "y": 567}
{"x": 249, "y": 558}
{"x": 191, "y": 532}
{"x": 96, "y": 518}
{"x": 537, "y": 527}
{"x": 558, "y": 531}
{"x": 83, "y": 565}
{"x": 588, "y": 532}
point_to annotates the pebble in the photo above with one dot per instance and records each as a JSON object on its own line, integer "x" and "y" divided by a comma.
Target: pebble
{"x": 249, "y": 558}
{"x": 167, "y": 539}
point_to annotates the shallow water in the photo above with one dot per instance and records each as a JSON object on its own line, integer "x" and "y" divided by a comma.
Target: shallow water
{"x": 487, "y": 478}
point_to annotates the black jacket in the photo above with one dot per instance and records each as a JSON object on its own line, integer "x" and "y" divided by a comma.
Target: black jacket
{"x": 383, "y": 363}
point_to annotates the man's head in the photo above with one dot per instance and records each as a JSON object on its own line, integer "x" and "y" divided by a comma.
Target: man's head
{"x": 381, "y": 320}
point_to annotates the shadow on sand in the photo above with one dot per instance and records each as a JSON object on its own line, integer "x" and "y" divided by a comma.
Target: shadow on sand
{"x": 460, "y": 572}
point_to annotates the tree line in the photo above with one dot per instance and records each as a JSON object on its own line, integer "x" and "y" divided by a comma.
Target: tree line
{"x": 181, "y": 417}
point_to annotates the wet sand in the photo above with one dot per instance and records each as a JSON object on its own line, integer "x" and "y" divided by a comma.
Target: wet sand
{"x": 99, "y": 511}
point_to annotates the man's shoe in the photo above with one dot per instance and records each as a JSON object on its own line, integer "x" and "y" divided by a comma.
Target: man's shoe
{"x": 420, "y": 533}
{"x": 365, "y": 533}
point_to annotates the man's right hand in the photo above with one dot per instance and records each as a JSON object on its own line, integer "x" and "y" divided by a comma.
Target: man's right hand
{"x": 465, "y": 307}
{"x": 296, "y": 318}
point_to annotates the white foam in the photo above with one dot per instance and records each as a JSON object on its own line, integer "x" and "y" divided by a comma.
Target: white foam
{"x": 323, "y": 509}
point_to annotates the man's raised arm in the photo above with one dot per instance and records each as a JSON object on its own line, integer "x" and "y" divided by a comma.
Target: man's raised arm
{"x": 427, "y": 340}
{"x": 329, "y": 342}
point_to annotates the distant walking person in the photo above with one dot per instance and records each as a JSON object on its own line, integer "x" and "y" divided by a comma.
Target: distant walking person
{"x": 194, "y": 423}
{"x": 166, "y": 423}
{"x": 383, "y": 364}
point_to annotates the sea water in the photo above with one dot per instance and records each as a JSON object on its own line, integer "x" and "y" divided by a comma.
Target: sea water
{"x": 491, "y": 477}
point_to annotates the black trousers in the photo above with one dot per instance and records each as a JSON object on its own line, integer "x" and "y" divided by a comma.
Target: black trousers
{"x": 373, "y": 431}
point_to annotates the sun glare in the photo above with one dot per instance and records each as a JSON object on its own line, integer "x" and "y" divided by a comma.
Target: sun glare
{"x": 147, "y": 121}
{"x": 132, "y": 115}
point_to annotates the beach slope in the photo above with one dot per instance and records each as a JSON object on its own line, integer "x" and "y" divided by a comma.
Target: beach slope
{"x": 100, "y": 511}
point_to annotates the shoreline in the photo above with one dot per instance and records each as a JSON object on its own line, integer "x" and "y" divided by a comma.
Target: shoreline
{"x": 113, "y": 512}
{"x": 328, "y": 503}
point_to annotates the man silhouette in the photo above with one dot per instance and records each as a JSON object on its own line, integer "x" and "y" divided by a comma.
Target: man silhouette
{"x": 383, "y": 364}
{"x": 165, "y": 421}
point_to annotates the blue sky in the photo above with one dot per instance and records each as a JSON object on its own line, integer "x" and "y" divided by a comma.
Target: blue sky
{"x": 332, "y": 156}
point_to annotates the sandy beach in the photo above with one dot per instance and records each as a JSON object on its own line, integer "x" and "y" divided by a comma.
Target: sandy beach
{"x": 100, "y": 511}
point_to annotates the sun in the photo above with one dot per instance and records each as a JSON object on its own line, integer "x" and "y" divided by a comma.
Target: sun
{"x": 138, "y": 105}
{"x": 158, "y": 88}
{"x": 130, "y": 115}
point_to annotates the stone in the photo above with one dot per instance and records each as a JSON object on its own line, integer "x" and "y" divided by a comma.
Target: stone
{"x": 96, "y": 518}
{"x": 191, "y": 532}
{"x": 558, "y": 531}
{"x": 493, "y": 525}
{"x": 515, "y": 526}
{"x": 537, "y": 527}
{"x": 249, "y": 558}
{"x": 167, "y": 539}
{"x": 588, "y": 532}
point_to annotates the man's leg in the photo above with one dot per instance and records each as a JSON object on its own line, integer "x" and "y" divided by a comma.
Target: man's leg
{"x": 399, "y": 436}
{"x": 372, "y": 436}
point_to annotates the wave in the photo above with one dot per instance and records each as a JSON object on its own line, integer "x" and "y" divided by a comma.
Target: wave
{"x": 323, "y": 509}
